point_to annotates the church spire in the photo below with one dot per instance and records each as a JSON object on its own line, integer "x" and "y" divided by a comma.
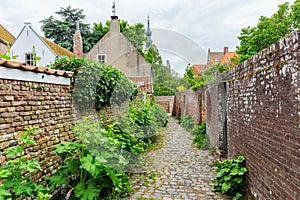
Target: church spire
{"x": 148, "y": 34}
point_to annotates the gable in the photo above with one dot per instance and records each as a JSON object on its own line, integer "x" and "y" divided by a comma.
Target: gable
{"x": 57, "y": 49}
{"x": 121, "y": 54}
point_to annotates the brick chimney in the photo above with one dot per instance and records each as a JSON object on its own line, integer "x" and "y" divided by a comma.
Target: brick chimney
{"x": 77, "y": 42}
{"x": 225, "y": 50}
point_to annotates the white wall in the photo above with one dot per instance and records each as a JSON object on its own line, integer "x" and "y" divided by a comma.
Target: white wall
{"x": 24, "y": 43}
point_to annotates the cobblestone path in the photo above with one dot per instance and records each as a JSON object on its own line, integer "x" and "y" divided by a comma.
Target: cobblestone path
{"x": 176, "y": 170}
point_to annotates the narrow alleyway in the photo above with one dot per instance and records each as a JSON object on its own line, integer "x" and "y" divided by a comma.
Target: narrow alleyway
{"x": 176, "y": 170}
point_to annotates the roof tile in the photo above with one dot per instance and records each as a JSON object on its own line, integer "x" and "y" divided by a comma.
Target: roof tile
{"x": 58, "y": 50}
{"x": 6, "y": 36}
{"x": 23, "y": 66}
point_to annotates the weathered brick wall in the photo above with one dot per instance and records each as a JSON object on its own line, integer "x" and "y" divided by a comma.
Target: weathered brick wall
{"x": 190, "y": 102}
{"x": 215, "y": 114}
{"x": 31, "y": 104}
{"x": 263, "y": 97}
{"x": 166, "y": 102}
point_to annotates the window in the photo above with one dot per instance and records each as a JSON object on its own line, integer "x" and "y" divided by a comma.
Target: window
{"x": 101, "y": 58}
{"x": 30, "y": 59}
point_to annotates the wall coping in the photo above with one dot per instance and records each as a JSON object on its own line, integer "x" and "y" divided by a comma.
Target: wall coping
{"x": 20, "y": 71}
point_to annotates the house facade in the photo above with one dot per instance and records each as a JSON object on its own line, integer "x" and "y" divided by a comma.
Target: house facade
{"x": 29, "y": 46}
{"x": 116, "y": 50}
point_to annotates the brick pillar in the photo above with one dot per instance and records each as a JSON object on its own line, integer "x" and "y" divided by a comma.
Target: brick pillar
{"x": 77, "y": 42}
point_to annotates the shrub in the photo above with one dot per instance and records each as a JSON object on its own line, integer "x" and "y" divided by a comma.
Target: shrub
{"x": 230, "y": 177}
{"x": 201, "y": 137}
{"x": 187, "y": 122}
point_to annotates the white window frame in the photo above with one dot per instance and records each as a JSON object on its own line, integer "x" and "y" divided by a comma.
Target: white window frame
{"x": 31, "y": 60}
{"x": 103, "y": 58}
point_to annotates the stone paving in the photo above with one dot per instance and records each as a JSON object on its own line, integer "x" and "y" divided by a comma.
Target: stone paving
{"x": 176, "y": 170}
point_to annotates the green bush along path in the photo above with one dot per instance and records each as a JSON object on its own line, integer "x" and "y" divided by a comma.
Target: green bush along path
{"x": 175, "y": 169}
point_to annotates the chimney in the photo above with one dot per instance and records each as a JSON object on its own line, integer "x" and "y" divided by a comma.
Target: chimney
{"x": 77, "y": 42}
{"x": 225, "y": 50}
{"x": 114, "y": 25}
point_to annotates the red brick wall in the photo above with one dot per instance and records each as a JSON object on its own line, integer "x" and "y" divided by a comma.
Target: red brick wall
{"x": 190, "y": 102}
{"x": 47, "y": 106}
{"x": 166, "y": 102}
{"x": 264, "y": 119}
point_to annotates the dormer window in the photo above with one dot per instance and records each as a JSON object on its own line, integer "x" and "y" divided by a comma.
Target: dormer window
{"x": 101, "y": 58}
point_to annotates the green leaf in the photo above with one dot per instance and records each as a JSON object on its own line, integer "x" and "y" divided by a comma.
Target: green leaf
{"x": 238, "y": 179}
{"x": 12, "y": 152}
{"x": 31, "y": 165}
{"x": 55, "y": 180}
{"x": 4, "y": 173}
{"x": 90, "y": 164}
{"x": 237, "y": 196}
{"x": 88, "y": 191}
{"x": 24, "y": 188}
{"x": 4, "y": 193}
{"x": 225, "y": 187}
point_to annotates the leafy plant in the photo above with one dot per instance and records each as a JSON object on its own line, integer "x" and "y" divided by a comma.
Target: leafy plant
{"x": 200, "y": 138}
{"x": 14, "y": 182}
{"x": 187, "y": 122}
{"x": 230, "y": 177}
{"x": 89, "y": 161}
{"x": 7, "y": 55}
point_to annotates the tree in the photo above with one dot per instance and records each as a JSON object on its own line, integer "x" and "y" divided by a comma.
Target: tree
{"x": 61, "y": 31}
{"x": 268, "y": 30}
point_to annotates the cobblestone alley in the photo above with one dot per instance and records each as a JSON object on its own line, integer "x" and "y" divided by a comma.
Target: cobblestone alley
{"x": 176, "y": 170}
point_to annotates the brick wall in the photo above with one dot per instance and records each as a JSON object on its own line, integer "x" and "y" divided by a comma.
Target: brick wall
{"x": 167, "y": 102}
{"x": 190, "y": 102}
{"x": 263, "y": 100}
{"x": 35, "y": 104}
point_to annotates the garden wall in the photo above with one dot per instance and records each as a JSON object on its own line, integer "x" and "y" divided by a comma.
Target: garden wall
{"x": 263, "y": 103}
{"x": 167, "y": 102}
{"x": 190, "y": 102}
{"x": 35, "y": 97}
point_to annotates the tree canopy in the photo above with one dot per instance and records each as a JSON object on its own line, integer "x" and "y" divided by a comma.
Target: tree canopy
{"x": 61, "y": 30}
{"x": 268, "y": 30}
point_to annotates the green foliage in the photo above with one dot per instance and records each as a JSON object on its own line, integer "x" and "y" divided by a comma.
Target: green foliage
{"x": 268, "y": 30}
{"x": 96, "y": 84}
{"x": 61, "y": 31}
{"x": 15, "y": 183}
{"x": 207, "y": 75}
{"x": 98, "y": 160}
{"x": 68, "y": 64}
{"x": 162, "y": 90}
{"x": 94, "y": 177}
{"x": 7, "y": 55}
{"x": 187, "y": 122}
{"x": 230, "y": 177}
{"x": 201, "y": 137}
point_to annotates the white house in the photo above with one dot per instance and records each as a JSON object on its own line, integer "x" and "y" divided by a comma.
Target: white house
{"x": 29, "y": 45}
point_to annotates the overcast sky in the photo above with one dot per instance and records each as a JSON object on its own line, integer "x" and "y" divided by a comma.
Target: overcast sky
{"x": 202, "y": 24}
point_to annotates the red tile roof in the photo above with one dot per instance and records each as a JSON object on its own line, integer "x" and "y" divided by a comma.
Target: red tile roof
{"x": 144, "y": 82}
{"x": 197, "y": 68}
{"x": 23, "y": 66}
{"x": 227, "y": 57}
